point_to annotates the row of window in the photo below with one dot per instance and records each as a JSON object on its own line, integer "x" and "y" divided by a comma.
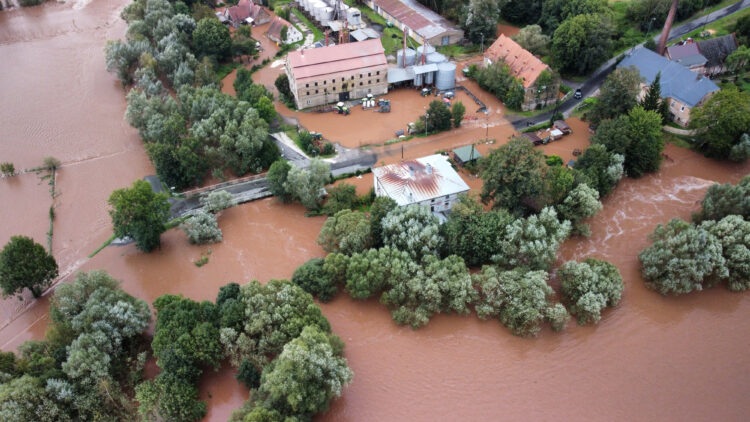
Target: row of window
{"x": 333, "y": 81}
{"x": 360, "y": 84}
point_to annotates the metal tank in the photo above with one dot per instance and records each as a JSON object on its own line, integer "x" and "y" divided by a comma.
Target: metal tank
{"x": 410, "y": 57}
{"x": 353, "y": 16}
{"x": 418, "y": 80}
{"x": 306, "y": 5}
{"x": 428, "y": 49}
{"x": 429, "y": 78}
{"x": 327, "y": 15}
{"x": 446, "y": 76}
{"x": 318, "y": 10}
{"x": 436, "y": 58}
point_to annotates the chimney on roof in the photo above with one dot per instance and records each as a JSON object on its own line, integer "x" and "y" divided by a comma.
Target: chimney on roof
{"x": 428, "y": 168}
{"x": 411, "y": 172}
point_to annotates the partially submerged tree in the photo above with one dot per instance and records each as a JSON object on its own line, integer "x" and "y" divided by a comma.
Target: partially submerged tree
{"x": 381, "y": 206}
{"x": 723, "y": 200}
{"x": 589, "y": 287}
{"x": 314, "y": 279}
{"x": 24, "y": 264}
{"x": 457, "y": 112}
{"x": 217, "y": 201}
{"x": 412, "y": 229}
{"x": 139, "y": 213}
{"x": 472, "y": 233}
{"x": 734, "y": 235}
{"x": 306, "y": 185}
{"x": 532, "y": 242}
{"x": 581, "y": 203}
{"x": 721, "y": 121}
{"x": 202, "y": 228}
{"x": 276, "y": 177}
{"x": 617, "y": 95}
{"x": 347, "y": 232}
{"x": 601, "y": 168}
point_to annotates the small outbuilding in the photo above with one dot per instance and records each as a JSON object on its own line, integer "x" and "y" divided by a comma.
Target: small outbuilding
{"x": 555, "y": 134}
{"x": 562, "y": 127}
{"x": 466, "y": 155}
{"x": 533, "y": 138}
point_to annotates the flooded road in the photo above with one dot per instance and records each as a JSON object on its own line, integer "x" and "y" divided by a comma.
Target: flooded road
{"x": 651, "y": 358}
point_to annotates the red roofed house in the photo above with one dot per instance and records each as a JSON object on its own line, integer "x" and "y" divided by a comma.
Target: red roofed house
{"x": 337, "y": 73}
{"x": 274, "y": 31}
{"x": 246, "y": 12}
{"x": 526, "y": 67}
{"x": 420, "y": 22}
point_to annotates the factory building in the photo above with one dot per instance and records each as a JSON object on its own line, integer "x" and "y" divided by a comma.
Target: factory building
{"x": 419, "y": 22}
{"x": 337, "y": 73}
{"x": 423, "y": 67}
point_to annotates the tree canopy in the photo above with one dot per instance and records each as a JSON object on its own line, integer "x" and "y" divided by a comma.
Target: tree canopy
{"x": 24, "y": 264}
{"x": 582, "y": 43}
{"x": 412, "y": 229}
{"x": 211, "y": 38}
{"x": 617, "y": 95}
{"x": 589, "y": 287}
{"x": 721, "y": 121}
{"x": 347, "y": 232}
{"x": 139, "y": 213}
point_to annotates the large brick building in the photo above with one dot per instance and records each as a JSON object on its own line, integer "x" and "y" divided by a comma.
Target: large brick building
{"x": 337, "y": 73}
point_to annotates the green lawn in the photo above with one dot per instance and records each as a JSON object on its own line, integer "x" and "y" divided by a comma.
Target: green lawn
{"x": 316, "y": 32}
{"x": 722, "y": 26}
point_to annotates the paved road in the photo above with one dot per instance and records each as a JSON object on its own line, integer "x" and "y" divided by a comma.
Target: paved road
{"x": 595, "y": 80}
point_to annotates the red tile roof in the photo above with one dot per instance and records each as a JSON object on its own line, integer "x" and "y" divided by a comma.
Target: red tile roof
{"x": 522, "y": 63}
{"x": 241, "y": 11}
{"x": 274, "y": 30}
{"x": 420, "y": 19}
{"x": 334, "y": 59}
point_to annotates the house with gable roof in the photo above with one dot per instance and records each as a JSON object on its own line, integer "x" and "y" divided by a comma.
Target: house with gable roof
{"x": 527, "y": 67}
{"x": 245, "y": 12}
{"x": 716, "y": 50}
{"x": 682, "y": 88}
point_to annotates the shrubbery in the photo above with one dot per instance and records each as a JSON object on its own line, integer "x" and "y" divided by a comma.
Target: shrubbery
{"x": 314, "y": 279}
{"x": 589, "y": 287}
{"x": 202, "y": 228}
{"x": 347, "y": 232}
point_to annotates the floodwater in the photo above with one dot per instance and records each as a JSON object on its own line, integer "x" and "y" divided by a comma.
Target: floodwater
{"x": 651, "y": 358}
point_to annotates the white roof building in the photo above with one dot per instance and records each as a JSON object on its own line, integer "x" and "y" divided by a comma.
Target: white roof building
{"x": 428, "y": 181}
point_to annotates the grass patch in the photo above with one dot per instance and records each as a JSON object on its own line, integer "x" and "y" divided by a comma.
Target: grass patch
{"x": 678, "y": 140}
{"x": 722, "y": 26}
{"x": 225, "y": 69}
{"x": 104, "y": 245}
{"x": 456, "y": 50}
{"x": 543, "y": 125}
{"x": 316, "y": 32}
{"x": 203, "y": 260}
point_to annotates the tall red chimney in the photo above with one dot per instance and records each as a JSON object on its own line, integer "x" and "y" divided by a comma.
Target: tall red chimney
{"x": 326, "y": 44}
{"x": 424, "y": 43}
{"x": 403, "y": 52}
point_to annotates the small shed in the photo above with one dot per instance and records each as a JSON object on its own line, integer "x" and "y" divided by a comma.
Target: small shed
{"x": 531, "y": 136}
{"x": 562, "y": 127}
{"x": 555, "y": 134}
{"x": 466, "y": 155}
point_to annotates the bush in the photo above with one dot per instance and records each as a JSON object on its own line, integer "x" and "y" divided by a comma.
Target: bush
{"x": 217, "y": 200}
{"x": 7, "y": 169}
{"x": 723, "y": 200}
{"x": 139, "y": 213}
{"x": 340, "y": 197}
{"x": 25, "y": 264}
{"x": 412, "y": 229}
{"x": 347, "y": 232}
{"x": 248, "y": 374}
{"x": 313, "y": 279}
{"x": 50, "y": 163}
{"x": 202, "y": 228}
{"x": 589, "y": 287}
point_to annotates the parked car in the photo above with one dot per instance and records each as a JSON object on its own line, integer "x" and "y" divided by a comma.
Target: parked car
{"x": 578, "y": 95}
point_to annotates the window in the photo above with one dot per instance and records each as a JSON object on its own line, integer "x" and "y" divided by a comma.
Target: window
{"x": 360, "y": 84}
{"x": 369, "y": 74}
{"x": 377, "y": 80}
{"x": 342, "y": 79}
{"x": 377, "y": 73}
{"x": 360, "y": 76}
{"x": 352, "y": 77}
{"x": 445, "y": 40}
{"x": 308, "y": 92}
{"x": 334, "y": 89}
{"x": 316, "y": 91}
{"x": 369, "y": 90}
{"x": 308, "y": 102}
{"x": 333, "y": 81}
{"x": 307, "y": 85}
{"x": 316, "y": 84}
{"x": 682, "y": 108}
{"x": 324, "y": 82}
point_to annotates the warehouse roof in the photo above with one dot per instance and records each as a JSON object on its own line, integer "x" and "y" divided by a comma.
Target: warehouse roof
{"x": 419, "y": 180}
{"x": 336, "y": 59}
{"x": 717, "y": 49}
{"x": 420, "y": 19}
{"x": 676, "y": 81}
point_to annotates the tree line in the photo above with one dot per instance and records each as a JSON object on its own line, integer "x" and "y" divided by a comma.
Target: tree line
{"x": 198, "y": 129}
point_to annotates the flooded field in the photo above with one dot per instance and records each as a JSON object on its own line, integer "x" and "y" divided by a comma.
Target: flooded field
{"x": 651, "y": 358}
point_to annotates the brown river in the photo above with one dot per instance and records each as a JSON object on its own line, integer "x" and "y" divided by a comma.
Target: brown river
{"x": 651, "y": 358}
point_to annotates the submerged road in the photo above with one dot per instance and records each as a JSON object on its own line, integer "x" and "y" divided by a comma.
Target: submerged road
{"x": 597, "y": 77}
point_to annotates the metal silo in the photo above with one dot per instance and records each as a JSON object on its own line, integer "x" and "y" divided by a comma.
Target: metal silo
{"x": 318, "y": 10}
{"x": 327, "y": 15}
{"x": 410, "y": 56}
{"x": 418, "y": 80}
{"x": 428, "y": 49}
{"x": 436, "y": 58}
{"x": 353, "y": 16}
{"x": 429, "y": 78}
{"x": 446, "y": 76}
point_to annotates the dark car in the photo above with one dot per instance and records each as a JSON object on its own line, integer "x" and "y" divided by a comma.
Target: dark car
{"x": 578, "y": 95}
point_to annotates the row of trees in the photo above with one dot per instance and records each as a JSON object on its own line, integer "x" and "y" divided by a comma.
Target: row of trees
{"x": 274, "y": 334}
{"x": 715, "y": 248}
{"x": 92, "y": 356}
{"x": 306, "y": 185}
{"x": 200, "y": 128}
{"x": 497, "y": 79}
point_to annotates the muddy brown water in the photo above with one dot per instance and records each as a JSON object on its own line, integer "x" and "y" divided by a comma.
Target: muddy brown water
{"x": 651, "y": 358}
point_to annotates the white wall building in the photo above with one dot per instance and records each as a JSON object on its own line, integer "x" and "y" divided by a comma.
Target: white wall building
{"x": 428, "y": 181}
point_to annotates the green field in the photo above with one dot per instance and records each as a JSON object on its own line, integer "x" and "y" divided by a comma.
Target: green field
{"x": 721, "y": 27}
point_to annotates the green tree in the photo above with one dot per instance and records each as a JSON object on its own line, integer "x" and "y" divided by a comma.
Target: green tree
{"x": 202, "y": 228}
{"x": 276, "y": 177}
{"x": 412, "y": 229}
{"x": 211, "y": 38}
{"x": 7, "y": 169}
{"x": 721, "y": 121}
{"x": 248, "y": 374}
{"x": 590, "y": 286}
{"x": 26, "y": 399}
{"x": 340, "y": 197}
{"x": 24, "y": 264}
{"x": 472, "y": 233}
{"x": 617, "y": 94}
{"x": 438, "y": 117}
{"x": 308, "y": 373}
{"x": 265, "y": 108}
{"x": 734, "y": 235}
{"x": 555, "y": 12}
{"x": 532, "y": 242}
{"x": 306, "y": 185}
{"x": 370, "y": 272}
{"x": 723, "y": 200}
{"x": 682, "y": 258}
{"x": 347, "y": 232}
{"x": 741, "y": 151}
{"x": 582, "y": 43}
{"x": 742, "y": 30}
{"x": 139, "y": 213}
{"x": 653, "y": 101}
{"x": 379, "y": 209}
{"x": 479, "y": 20}
{"x": 614, "y": 134}
{"x": 457, "y": 111}
{"x": 282, "y": 84}
{"x": 644, "y": 152}
{"x": 558, "y": 183}
{"x": 242, "y": 41}
{"x": 520, "y": 299}
{"x": 532, "y": 39}
{"x": 314, "y": 279}
{"x": 513, "y": 177}
{"x": 283, "y": 33}
{"x": 217, "y": 201}
{"x": 581, "y": 203}
{"x": 601, "y": 168}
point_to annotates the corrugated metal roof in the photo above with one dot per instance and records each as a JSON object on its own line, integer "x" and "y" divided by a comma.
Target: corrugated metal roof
{"x": 426, "y": 68}
{"x": 467, "y": 153}
{"x": 522, "y": 63}
{"x": 676, "y": 81}
{"x": 336, "y": 59}
{"x": 420, "y": 19}
{"x": 397, "y": 74}
{"x": 419, "y": 180}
